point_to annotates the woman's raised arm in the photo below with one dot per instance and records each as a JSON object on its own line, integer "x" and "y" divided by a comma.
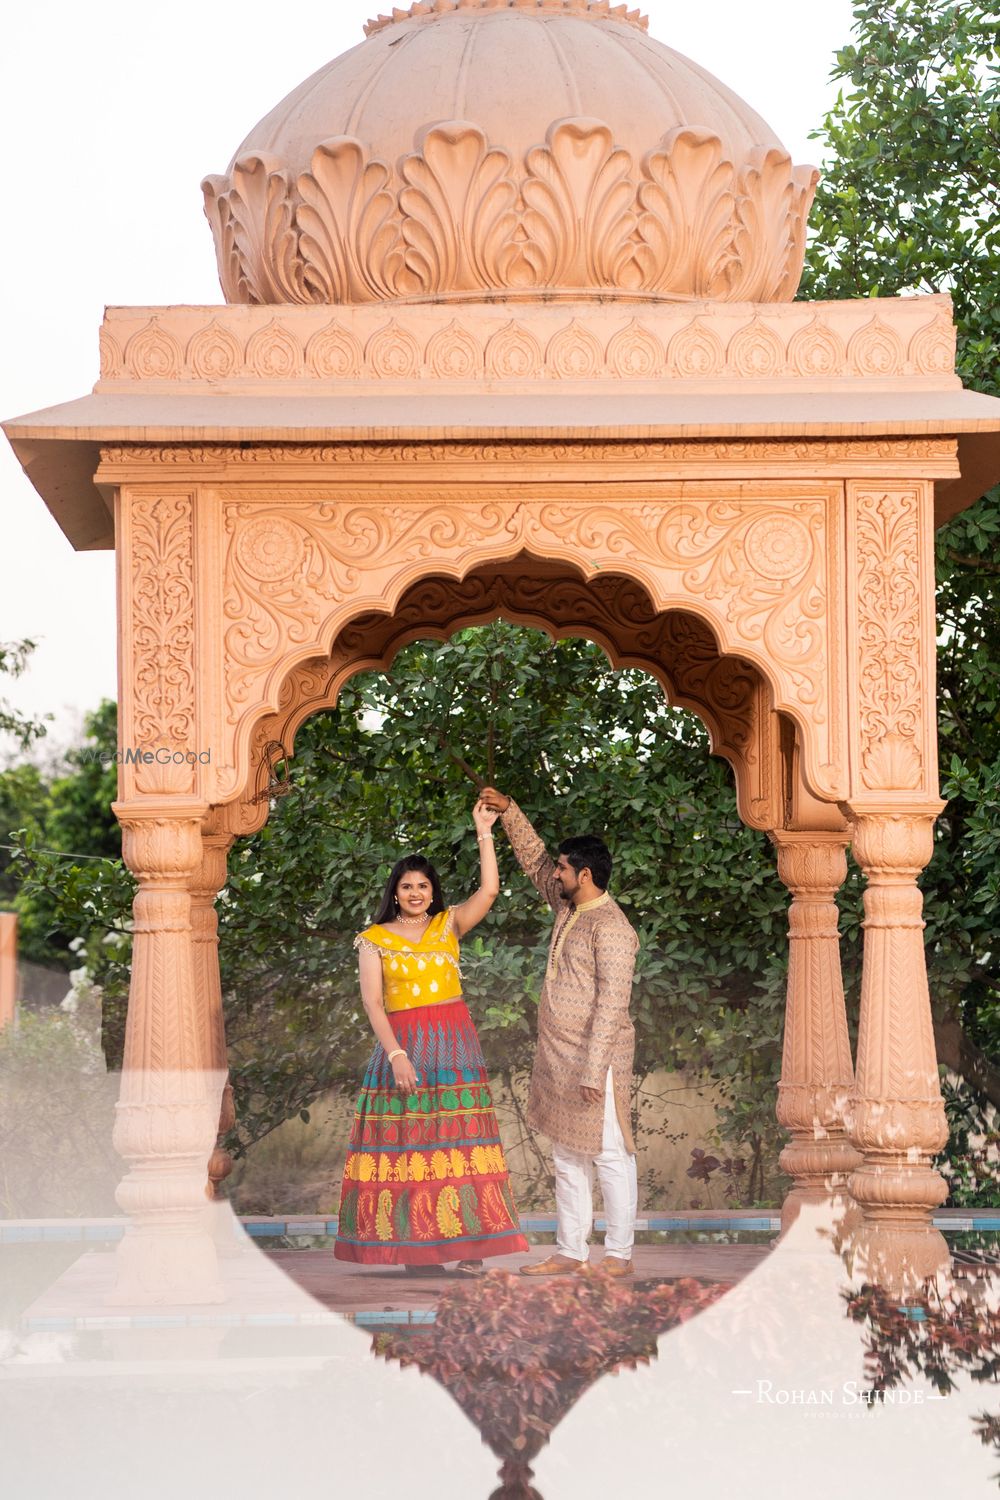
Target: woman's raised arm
{"x": 465, "y": 916}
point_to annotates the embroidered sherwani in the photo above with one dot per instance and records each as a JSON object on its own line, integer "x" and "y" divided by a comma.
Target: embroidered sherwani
{"x": 584, "y": 1026}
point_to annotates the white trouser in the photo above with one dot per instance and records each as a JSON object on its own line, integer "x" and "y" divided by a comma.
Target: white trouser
{"x": 575, "y": 1191}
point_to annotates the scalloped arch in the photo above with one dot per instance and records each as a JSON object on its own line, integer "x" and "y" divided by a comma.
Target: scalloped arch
{"x": 677, "y": 647}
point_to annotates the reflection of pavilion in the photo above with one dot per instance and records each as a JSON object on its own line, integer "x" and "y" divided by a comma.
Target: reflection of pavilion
{"x": 564, "y": 383}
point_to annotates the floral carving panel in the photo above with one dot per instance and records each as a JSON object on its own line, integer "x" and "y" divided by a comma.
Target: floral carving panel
{"x": 299, "y": 569}
{"x": 161, "y": 627}
{"x": 892, "y": 693}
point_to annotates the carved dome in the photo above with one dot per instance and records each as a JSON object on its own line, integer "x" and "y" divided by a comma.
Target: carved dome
{"x": 510, "y": 149}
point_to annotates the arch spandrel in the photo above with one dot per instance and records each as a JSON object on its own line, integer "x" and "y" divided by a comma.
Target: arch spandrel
{"x": 757, "y": 564}
{"x": 677, "y": 649}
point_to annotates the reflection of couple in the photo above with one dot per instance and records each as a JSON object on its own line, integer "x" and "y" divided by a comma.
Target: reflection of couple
{"x": 425, "y": 1181}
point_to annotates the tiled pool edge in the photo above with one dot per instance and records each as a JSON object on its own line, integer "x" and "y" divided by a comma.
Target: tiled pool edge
{"x": 258, "y": 1227}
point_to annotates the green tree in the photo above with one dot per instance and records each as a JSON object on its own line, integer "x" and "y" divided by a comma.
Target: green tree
{"x": 68, "y": 813}
{"x": 910, "y": 202}
{"x": 14, "y": 657}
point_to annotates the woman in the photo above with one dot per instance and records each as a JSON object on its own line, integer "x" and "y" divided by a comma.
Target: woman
{"x": 425, "y": 1179}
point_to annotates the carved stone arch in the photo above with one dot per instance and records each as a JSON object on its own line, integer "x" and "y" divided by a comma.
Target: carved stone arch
{"x": 677, "y": 648}
{"x": 760, "y": 576}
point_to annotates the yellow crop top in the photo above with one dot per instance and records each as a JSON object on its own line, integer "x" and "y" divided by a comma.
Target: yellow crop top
{"x": 422, "y": 973}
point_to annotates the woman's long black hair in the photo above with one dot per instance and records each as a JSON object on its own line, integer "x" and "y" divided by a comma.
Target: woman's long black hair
{"x": 388, "y": 910}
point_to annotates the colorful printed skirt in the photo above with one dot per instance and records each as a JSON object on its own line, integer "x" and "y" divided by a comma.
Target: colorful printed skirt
{"x": 425, "y": 1179}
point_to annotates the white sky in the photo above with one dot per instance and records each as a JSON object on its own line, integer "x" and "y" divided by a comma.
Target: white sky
{"x": 112, "y": 113}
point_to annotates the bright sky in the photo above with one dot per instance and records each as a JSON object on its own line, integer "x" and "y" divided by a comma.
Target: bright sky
{"x": 112, "y": 113}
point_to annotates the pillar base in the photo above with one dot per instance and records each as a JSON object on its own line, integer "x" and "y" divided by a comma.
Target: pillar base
{"x": 898, "y": 1192}
{"x": 820, "y": 1168}
{"x": 165, "y": 1265}
{"x": 898, "y": 1256}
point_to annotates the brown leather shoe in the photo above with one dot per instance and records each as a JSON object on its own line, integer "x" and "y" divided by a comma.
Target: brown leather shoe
{"x": 555, "y": 1266}
{"x": 612, "y": 1266}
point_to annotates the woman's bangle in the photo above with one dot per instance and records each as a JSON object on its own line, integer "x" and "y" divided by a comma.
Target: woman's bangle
{"x": 484, "y": 838}
{"x": 399, "y": 1052}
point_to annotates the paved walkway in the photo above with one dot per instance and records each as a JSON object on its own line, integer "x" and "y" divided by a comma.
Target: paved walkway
{"x": 346, "y": 1288}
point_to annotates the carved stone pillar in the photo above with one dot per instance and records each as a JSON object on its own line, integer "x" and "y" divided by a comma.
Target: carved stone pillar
{"x": 207, "y": 884}
{"x": 168, "y": 1110}
{"x": 898, "y": 1120}
{"x": 817, "y": 1077}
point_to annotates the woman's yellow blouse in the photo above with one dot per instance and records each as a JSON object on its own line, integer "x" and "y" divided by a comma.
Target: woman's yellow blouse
{"x": 422, "y": 973}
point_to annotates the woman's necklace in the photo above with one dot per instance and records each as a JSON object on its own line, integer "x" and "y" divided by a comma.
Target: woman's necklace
{"x": 411, "y": 921}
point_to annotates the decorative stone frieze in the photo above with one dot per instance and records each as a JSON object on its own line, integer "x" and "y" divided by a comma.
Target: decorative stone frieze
{"x": 719, "y": 345}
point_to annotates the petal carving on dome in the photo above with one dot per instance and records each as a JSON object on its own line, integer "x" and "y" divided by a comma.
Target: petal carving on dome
{"x": 458, "y": 207}
{"x": 580, "y": 204}
{"x": 258, "y": 249}
{"x": 687, "y": 224}
{"x": 348, "y": 233}
{"x": 772, "y": 201}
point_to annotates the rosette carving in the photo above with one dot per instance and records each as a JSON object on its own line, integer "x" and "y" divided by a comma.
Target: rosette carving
{"x": 459, "y": 216}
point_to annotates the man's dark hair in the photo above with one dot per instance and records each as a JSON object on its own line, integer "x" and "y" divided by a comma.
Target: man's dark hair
{"x": 587, "y": 852}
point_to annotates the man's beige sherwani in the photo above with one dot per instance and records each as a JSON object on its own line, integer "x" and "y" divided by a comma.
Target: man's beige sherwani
{"x": 583, "y": 1021}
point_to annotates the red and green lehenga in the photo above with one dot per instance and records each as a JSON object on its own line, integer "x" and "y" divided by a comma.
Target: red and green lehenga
{"x": 425, "y": 1179}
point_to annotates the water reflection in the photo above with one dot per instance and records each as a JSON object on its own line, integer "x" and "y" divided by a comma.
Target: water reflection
{"x": 853, "y": 1356}
{"x": 517, "y": 1356}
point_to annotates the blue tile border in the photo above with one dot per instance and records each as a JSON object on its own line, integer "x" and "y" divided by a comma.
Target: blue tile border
{"x": 259, "y": 1227}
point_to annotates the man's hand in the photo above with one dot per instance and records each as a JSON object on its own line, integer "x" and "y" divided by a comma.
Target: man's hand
{"x": 494, "y": 799}
{"x": 590, "y": 1096}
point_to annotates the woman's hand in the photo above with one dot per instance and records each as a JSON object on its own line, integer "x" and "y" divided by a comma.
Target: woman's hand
{"x": 404, "y": 1074}
{"x": 484, "y": 817}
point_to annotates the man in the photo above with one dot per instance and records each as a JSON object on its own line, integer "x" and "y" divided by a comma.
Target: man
{"x": 580, "y": 1081}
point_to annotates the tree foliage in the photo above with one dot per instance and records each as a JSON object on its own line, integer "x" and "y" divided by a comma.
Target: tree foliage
{"x": 14, "y": 658}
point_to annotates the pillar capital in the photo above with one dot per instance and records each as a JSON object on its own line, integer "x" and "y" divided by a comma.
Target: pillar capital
{"x": 161, "y": 838}
{"x": 811, "y": 863}
{"x": 893, "y": 843}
